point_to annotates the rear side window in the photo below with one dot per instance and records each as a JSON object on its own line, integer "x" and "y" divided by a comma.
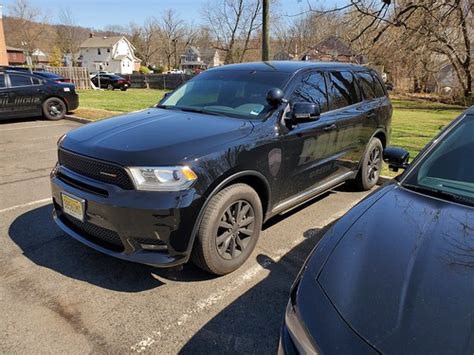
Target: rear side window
{"x": 370, "y": 85}
{"x": 36, "y": 81}
{"x": 2, "y": 81}
{"x": 19, "y": 80}
{"x": 312, "y": 89}
{"x": 378, "y": 88}
{"x": 342, "y": 90}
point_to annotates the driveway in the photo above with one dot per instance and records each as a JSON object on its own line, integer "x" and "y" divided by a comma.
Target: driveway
{"x": 57, "y": 295}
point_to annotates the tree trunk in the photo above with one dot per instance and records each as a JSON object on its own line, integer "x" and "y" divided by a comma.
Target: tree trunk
{"x": 265, "y": 30}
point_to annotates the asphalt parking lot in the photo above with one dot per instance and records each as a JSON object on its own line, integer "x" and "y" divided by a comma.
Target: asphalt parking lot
{"x": 57, "y": 295}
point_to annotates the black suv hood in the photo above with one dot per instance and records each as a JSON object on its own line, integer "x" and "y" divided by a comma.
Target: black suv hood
{"x": 154, "y": 137}
{"x": 403, "y": 275}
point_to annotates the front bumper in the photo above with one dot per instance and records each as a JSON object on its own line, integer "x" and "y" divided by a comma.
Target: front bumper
{"x": 153, "y": 228}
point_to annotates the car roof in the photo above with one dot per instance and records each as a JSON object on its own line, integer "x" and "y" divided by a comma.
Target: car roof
{"x": 289, "y": 66}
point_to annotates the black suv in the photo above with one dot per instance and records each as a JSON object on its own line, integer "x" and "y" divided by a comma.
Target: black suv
{"x": 24, "y": 94}
{"x": 197, "y": 175}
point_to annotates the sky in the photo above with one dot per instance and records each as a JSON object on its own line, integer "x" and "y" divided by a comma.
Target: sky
{"x": 99, "y": 13}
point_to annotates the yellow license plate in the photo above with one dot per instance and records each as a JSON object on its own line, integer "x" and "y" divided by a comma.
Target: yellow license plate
{"x": 73, "y": 206}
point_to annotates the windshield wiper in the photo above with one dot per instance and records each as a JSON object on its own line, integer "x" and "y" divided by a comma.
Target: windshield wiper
{"x": 197, "y": 110}
{"x": 431, "y": 191}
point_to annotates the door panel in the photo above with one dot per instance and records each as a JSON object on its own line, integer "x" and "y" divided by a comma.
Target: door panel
{"x": 24, "y": 97}
{"x": 350, "y": 115}
{"x": 308, "y": 148}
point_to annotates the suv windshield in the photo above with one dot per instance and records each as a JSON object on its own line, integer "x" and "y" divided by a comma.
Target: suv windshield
{"x": 448, "y": 170}
{"x": 235, "y": 93}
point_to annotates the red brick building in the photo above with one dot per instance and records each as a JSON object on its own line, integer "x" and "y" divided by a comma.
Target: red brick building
{"x": 16, "y": 56}
{"x": 3, "y": 45}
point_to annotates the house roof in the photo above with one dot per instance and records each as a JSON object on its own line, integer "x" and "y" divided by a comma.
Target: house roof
{"x": 14, "y": 49}
{"x": 100, "y": 42}
{"x": 332, "y": 45}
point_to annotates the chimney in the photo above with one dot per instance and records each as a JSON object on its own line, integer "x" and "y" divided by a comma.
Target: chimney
{"x": 91, "y": 35}
{"x": 3, "y": 45}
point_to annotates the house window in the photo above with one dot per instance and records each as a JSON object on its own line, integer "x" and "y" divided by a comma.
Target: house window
{"x": 98, "y": 51}
{"x": 108, "y": 50}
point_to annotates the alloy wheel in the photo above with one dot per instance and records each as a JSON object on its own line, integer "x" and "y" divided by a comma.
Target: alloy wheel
{"x": 235, "y": 229}
{"x": 55, "y": 108}
{"x": 374, "y": 165}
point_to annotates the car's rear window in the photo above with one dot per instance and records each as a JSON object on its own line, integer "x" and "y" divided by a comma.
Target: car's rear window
{"x": 2, "y": 81}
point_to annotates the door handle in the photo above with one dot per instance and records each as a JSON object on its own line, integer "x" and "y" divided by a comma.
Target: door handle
{"x": 371, "y": 115}
{"x": 330, "y": 128}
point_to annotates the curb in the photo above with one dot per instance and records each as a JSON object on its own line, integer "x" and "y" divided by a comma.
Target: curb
{"x": 383, "y": 180}
{"x": 77, "y": 119}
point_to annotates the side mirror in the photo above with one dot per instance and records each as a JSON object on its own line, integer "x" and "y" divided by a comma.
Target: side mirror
{"x": 397, "y": 158}
{"x": 275, "y": 97}
{"x": 305, "y": 112}
{"x": 165, "y": 96}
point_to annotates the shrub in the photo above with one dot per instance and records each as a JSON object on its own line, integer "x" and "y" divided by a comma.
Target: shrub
{"x": 144, "y": 70}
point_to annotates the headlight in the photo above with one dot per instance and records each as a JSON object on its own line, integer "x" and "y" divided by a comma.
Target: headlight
{"x": 166, "y": 178}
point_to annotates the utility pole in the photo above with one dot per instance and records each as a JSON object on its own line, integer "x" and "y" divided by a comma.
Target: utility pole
{"x": 265, "y": 30}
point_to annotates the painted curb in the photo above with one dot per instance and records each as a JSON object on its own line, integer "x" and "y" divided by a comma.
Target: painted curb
{"x": 77, "y": 119}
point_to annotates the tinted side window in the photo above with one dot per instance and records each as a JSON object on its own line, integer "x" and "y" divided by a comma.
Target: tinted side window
{"x": 366, "y": 82}
{"x": 2, "y": 81}
{"x": 342, "y": 90}
{"x": 36, "y": 81}
{"x": 378, "y": 88}
{"x": 312, "y": 89}
{"x": 19, "y": 80}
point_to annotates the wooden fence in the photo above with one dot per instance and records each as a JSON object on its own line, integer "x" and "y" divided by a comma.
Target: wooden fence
{"x": 77, "y": 75}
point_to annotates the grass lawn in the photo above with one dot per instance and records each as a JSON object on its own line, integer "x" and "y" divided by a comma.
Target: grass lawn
{"x": 96, "y": 105}
{"x": 414, "y": 123}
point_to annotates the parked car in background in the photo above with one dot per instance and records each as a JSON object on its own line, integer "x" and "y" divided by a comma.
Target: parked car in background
{"x": 197, "y": 175}
{"x": 395, "y": 275}
{"x": 111, "y": 82}
{"x": 175, "y": 71}
{"x": 101, "y": 73}
{"x": 23, "y": 94}
{"x": 51, "y": 76}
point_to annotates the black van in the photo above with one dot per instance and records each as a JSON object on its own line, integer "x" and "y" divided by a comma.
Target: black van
{"x": 24, "y": 94}
{"x": 197, "y": 175}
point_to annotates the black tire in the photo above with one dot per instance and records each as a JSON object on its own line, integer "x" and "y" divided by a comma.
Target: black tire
{"x": 237, "y": 238}
{"x": 54, "y": 109}
{"x": 123, "y": 89}
{"x": 371, "y": 166}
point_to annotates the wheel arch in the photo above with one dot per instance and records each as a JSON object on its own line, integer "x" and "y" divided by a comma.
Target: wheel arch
{"x": 254, "y": 179}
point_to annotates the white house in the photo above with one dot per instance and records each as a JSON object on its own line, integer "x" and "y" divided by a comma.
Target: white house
{"x": 194, "y": 57}
{"x": 113, "y": 54}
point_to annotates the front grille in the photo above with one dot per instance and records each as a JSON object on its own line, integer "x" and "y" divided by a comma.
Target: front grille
{"x": 101, "y": 236}
{"x": 95, "y": 169}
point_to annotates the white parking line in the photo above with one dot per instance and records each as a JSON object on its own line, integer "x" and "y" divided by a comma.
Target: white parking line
{"x": 147, "y": 342}
{"x": 28, "y": 204}
{"x": 27, "y": 127}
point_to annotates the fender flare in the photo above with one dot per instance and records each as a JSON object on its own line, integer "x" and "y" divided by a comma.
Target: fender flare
{"x": 219, "y": 187}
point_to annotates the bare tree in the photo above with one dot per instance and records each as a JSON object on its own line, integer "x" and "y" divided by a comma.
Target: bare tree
{"x": 438, "y": 26}
{"x": 68, "y": 38}
{"x": 31, "y": 24}
{"x": 146, "y": 39}
{"x": 172, "y": 32}
{"x": 232, "y": 24}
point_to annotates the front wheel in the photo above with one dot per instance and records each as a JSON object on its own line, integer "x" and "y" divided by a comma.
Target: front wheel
{"x": 229, "y": 230}
{"x": 371, "y": 166}
{"x": 54, "y": 109}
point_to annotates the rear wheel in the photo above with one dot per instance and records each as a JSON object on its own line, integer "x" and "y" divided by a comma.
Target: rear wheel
{"x": 371, "y": 167}
{"x": 229, "y": 230}
{"x": 54, "y": 109}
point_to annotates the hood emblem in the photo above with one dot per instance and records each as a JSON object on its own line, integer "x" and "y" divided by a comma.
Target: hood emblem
{"x": 108, "y": 174}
